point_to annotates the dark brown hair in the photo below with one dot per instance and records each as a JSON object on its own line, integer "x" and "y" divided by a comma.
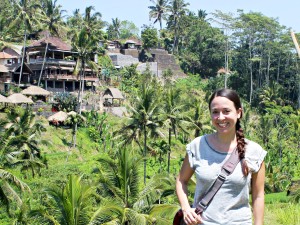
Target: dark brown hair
{"x": 241, "y": 143}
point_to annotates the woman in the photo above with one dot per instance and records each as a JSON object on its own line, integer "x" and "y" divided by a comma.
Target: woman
{"x": 205, "y": 157}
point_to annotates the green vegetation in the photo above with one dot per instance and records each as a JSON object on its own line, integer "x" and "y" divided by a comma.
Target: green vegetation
{"x": 103, "y": 169}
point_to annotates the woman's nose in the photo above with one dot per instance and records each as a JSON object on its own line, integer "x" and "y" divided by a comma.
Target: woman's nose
{"x": 221, "y": 116}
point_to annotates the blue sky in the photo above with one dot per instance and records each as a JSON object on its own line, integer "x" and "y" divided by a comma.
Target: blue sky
{"x": 287, "y": 12}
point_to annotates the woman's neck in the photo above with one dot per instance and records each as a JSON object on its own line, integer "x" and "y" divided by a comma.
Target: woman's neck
{"x": 225, "y": 138}
{"x": 226, "y": 143}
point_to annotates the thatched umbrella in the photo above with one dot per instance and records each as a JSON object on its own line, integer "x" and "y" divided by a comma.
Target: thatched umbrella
{"x": 35, "y": 90}
{"x": 60, "y": 116}
{"x": 4, "y": 99}
{"x": 18, "y": 98}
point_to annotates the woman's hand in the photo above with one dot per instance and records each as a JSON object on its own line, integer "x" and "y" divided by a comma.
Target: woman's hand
{"x": 190, "y": 217}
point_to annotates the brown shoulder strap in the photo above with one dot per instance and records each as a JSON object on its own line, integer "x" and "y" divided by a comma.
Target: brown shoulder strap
{"x": 226, "y": 170}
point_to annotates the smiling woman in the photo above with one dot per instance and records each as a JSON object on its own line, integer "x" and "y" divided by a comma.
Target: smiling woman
{"x": 205, "y": 157}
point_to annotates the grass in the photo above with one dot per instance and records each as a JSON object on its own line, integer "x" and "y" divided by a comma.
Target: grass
{"x": 280, "y": 197}
{"x": 280, "y": 211}
{"x": 282, "y": 214}
{"x": 64, "y": 160}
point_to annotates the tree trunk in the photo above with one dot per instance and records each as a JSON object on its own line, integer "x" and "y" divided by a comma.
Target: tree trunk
{"x": 278, "y": 68}
{"x": 169, "y": 151}
{"x": 251, "y": 75}
{"x": 79, "y": 90}
{"x": 23, "y": 56}
{"x": 74, "y": 134}
{"x": 268, "y": 69}
{"x": 82, "y": 88}
{"x": 46, "y": 49}
{"x": 145, "y": 152}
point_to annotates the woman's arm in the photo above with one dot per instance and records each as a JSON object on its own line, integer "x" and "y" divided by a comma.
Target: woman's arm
{"x": 182, "y": 180}
{"x": 258, "y": 195}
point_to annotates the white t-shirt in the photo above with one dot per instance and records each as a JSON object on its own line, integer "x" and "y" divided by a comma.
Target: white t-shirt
{"x": 230, "y": 206}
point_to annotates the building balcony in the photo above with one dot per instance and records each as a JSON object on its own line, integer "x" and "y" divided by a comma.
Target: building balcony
{"x": 53, "y": 61}
{"x": 61, "y": 77}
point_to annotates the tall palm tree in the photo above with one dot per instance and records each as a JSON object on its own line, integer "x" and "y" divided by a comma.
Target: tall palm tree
{"x": 75, "y": 21}
{"x": 144, "y": 118}
{"x": 28, "y": 13}
{"x": 159, "y": 11}
{"x": 172, "y": 115}
{"x": 115, "y": 28}
{"x": 177, "y": 9}
{"x": 85, "y": 44}
{"x": 93, "y": 22}
{"x": 53, "y": 16}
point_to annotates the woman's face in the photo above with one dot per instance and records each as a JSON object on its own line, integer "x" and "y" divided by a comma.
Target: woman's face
{"x": 224, "y": 115}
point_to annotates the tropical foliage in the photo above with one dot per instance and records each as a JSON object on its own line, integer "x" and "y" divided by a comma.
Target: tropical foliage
{"x": 122, "y": 170}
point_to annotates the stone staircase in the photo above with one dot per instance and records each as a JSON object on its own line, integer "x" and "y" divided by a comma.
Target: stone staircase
{"x": 121, "y": 60}
{"x": 166, "y": 61}
{"x": 162, "y": 61}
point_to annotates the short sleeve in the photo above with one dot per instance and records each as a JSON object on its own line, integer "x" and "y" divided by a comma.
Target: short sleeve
{"x": 254, "y": 156}
{"x": 192, "y": 150}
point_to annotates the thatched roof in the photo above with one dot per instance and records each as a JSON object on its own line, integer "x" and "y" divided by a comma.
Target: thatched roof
{"x": 60, "y": 116}
{"x": 113, "y": 93}
{"x": 18, "y": 98}
{"x": 35, "y": 90}
{"x": 4, "y": 99}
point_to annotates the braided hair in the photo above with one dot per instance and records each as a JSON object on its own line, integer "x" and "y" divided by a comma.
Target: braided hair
{"x": 241, "y": 143}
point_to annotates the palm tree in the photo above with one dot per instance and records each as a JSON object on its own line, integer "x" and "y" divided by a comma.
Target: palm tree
{"x": 202, "y": 14}
{"x": 75, "y": 21}
{"x": 74, "y": 119}
{"x": 85, "y": 44}
{"x": 158, "y": 12}
{"x": 93, "y": 22}
{"x": 21, "y": 139}
{"x": 144, "y": 118}
{"x": 172, "y": 115}
{"x": 53, "y": 16}
{"x": 23, "y": 122}
{"x": 124, "y": 201}
{"x": 24, "y": 150}
{"x": 8, "y": 195}
{"x": 116, "y": 26}
{"x": 68, "y": 205}
{"x": 177, "y": 9}
{"x": 28, "y": 14}
{"x": 198, "y": 116}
